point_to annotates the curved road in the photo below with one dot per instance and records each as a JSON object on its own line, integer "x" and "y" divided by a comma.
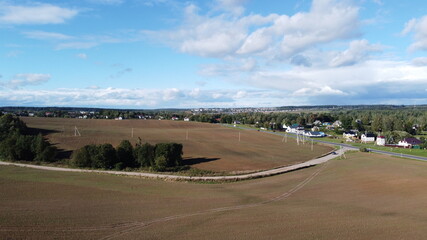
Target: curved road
{"x": 265, "y": 173}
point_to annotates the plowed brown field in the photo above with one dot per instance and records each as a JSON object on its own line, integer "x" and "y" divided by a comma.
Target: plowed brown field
{"x": 366, "y": 196}
{"x": 209, "y": 146}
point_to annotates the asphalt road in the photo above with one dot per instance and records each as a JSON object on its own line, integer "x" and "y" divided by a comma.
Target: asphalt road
{"x": 338, "y": 144}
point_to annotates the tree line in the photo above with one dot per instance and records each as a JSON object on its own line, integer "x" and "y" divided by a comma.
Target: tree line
{"x": 159, "y": 157}
{"x": 17, "y": 143}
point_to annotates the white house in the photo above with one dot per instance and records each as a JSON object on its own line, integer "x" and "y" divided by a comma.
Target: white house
{"x": 175, "y": 118}
{"x": 295, "y": 128}
{"x": 317, "y": 123}
{"x": 368, "y": 137}
{"x": 337, "y": 123}
{"x": 314, "y": 134}
{"x": 409, "y": 142}
{"x": 349, "y": 134}
{"x": 380, "y": 141}
{"x": 186, "y": 119}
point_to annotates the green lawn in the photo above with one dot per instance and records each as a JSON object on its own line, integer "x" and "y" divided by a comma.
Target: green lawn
{"x": 415, "y": 152}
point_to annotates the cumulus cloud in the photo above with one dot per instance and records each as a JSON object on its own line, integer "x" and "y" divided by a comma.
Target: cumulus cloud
{"x": 418, "y": 27}
{"x": 35, "y": 14}
{"x": 420, "y": 62}
{"x": 358, "y": 51}
{"x": 233, "y": 6}
{"x": 274, "y": 35}
{"x": 26, "y": 79}
{"x": 325, "y": 90}
{"x": 354, "y": 79}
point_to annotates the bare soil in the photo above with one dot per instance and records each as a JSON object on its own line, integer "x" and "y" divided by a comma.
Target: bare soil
{"x": 366, "y": 196}
{"x": 208, "y": 146}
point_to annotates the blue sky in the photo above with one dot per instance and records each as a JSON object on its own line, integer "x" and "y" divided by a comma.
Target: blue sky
{"x": 218, "y": 53}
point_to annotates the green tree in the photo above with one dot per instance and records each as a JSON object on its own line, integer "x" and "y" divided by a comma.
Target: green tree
{"x": 144, "y": 155}
{"x": 125, "y": 154}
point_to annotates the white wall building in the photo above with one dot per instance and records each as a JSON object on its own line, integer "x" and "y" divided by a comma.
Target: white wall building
{"x": 380, "y": 141}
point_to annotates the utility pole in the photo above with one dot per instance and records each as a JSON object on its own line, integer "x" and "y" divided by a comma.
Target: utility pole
{"x": 311, "y": 144}
{"x": 76, "y": 131}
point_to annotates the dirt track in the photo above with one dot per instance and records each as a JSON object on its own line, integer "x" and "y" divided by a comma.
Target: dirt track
{"x": 265, "y": 173}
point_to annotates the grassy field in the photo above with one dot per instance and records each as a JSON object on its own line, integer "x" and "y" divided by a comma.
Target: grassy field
{"x": 208, "y": 147}
{"x": 366, "y": 196}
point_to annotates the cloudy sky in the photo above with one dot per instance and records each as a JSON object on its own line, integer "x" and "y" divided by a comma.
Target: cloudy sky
{"x": 212, "y": 53}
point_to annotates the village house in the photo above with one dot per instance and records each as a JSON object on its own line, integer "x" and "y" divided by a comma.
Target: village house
{"x": 380, "y": 141}
{"x": 350, "y": 135}
{"x": 295, "y": 128}
{"x": 314, "y": 134}
{"x": 186, "y": 119}
{"x": 337, "y": 124}
{"x": 409, "y": 142}
{"x": 367, "y": 137}
{"x": 317, "y": 123}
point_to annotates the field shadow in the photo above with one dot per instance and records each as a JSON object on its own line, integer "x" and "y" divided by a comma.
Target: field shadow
{"x": 192, "y": 161}
{"x": 44, "y": 132}
{"x": 64, "y": 154}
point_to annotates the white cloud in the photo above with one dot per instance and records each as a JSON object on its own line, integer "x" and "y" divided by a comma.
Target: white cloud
{"x": 358, "y": 51}
{"x": 274, "y": 36}
{"x": 46, "y": 35}
{"x": 151, "y": 98}
{"x": 354, "y": 79}
{"x": 229, "y": 67}
{"x": 25, "y": 79}
{"x": 419, "y": 29}
{"x": 35, "y": 14}
{"x": 420, "y": 62}
{"x": 233, "y": 6}
{"x": 76, "y": 45}
{"x": 82, "y": 55}
{"x": 325, "y": 90}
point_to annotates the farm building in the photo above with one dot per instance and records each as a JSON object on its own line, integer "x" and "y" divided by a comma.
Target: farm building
{"x": 314, "y": 134}
{"x": 380, "y": 141}
{"x": 295, "y": 128}
{"x": 367, "y": 137}
{"x": 349, "y": 134}
{"x": 186, "y": 119}
{"x": 337, "y": 124}
{"x": 315, "y": 129}
{"x": 409, "y": 142}
{"x": 317, "y": 123}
